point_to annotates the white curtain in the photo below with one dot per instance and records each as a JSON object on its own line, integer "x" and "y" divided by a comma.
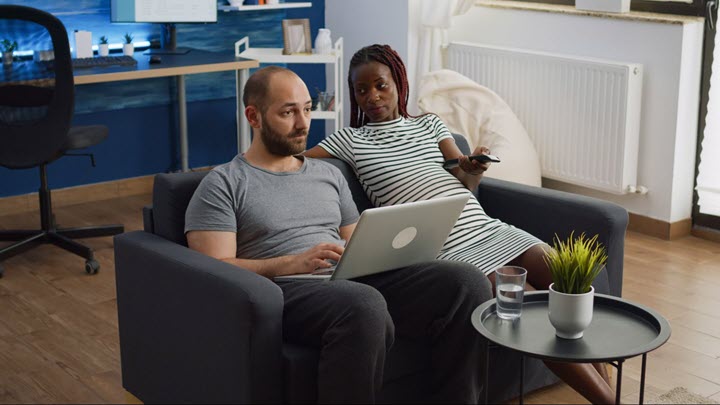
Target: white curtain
{"x": 435, "y": 19}
{"x": 708, "y": 181}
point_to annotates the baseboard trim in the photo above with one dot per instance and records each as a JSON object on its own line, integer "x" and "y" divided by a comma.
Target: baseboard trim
{"x": 79, "y": 194}
{"x": 660, "y": 229}
{"x": 702, "y": 232}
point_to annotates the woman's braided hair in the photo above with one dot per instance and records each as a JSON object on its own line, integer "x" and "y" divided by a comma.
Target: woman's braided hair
{"x": 387, "y": 56}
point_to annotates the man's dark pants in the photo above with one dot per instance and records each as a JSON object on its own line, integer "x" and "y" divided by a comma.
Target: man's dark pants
{"x": 354, "y": 324}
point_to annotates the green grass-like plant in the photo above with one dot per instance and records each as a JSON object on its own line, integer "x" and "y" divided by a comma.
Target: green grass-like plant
{"x": 104, "y": 40}
{"x": 574, "y": 263}
{"x": 128, "y": 38}
{"x": 8, "y": 46}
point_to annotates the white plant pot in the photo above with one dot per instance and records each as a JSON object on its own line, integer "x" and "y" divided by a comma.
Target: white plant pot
{"x": 7, "y": 58}
{"x": 609, "y": 6}
{"x": 128, "y": 49}
{"x": 570, "y": 314}
{"x": 103, "y": 50}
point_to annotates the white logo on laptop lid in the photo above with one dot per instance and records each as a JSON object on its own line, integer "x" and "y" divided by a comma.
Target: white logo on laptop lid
{"x": 404, "y": 237}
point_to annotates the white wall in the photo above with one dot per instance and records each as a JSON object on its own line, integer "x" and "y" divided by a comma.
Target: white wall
{"x": 671, "y": 55}
{"x": 363, "y": 23}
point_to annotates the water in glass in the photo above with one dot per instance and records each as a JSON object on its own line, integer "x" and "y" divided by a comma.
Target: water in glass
{"x": 509, "y": 300}
{"x": 510, "y": 282}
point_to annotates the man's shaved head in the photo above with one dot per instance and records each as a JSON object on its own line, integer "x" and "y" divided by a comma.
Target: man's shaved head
{"x": 258, "y": 86}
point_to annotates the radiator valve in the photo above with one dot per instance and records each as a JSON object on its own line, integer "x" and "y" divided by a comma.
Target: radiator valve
{"x": 642, "y": 190}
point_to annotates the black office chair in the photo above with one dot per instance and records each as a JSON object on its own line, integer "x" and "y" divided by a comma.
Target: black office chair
{"x": 35, "y": 130}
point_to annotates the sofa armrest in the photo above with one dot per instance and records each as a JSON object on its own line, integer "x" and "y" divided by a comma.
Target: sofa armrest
{"x": 148, "y": 223}
{"x": 545, "y": 212}
{"x": 193, "y": 328}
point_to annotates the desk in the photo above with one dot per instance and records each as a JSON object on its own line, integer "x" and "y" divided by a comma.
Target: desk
{"x": 196, "y": 61}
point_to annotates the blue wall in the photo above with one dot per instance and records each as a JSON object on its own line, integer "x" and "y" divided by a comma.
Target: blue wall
{"x": 141, "y": 114}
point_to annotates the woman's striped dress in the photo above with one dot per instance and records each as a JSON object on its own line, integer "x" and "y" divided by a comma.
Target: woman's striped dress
{"x": 400, "y": 161}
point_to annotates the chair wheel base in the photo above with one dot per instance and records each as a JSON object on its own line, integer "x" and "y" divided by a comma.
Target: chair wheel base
{"x": 92, "y": 266}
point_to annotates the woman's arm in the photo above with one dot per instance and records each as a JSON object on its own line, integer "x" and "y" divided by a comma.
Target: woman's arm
{"x": 469, "y": 172}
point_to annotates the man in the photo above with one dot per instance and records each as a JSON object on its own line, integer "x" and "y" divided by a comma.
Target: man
{"x": 274, "y": 212}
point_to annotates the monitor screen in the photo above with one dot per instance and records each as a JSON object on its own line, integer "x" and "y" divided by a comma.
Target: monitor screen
{"x": 163, "y": 11}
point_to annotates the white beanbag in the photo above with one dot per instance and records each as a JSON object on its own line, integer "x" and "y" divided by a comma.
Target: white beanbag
{"x": 475, "y": 111}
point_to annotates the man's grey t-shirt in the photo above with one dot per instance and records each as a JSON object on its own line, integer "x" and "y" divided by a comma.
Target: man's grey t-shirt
{"x": 273, "y": 214}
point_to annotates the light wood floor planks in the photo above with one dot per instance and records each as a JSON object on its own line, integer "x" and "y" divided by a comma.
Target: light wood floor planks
{"x": 58, "y": 326}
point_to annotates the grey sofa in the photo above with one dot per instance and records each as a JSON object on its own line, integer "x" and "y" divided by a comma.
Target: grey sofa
{"x": 194, "y": 329}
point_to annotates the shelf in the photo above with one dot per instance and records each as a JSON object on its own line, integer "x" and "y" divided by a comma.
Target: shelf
{"x": 275, "y": 55}
{"x": 334, "y": 58}
{"x": 324, "y": 115}
{"x": 264, "y": 7}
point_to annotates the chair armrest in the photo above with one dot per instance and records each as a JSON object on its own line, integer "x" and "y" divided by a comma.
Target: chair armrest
{"x": 544, "y": 212}
{"x": 194, "y": 329}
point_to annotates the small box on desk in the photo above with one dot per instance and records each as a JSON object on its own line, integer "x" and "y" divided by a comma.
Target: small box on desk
{"x": 83, "y": 44}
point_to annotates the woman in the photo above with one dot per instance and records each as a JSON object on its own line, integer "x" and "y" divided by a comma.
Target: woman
{"x": 398, "y": 158}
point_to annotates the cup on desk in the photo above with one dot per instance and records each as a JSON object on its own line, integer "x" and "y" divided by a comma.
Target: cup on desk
{"x": 509, "y": 291}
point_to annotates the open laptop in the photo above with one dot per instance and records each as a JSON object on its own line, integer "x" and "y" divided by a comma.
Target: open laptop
{"x": 389, "y": 238}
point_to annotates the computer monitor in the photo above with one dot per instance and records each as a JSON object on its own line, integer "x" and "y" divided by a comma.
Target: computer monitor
{"x": 167, "y": 13}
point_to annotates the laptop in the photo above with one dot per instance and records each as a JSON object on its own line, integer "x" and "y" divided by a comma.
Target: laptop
{"x": 388, "y": 238}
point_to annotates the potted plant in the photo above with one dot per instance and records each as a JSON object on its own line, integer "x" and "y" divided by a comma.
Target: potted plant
{"x": 574, "y": 264}
{"x": 128, "y": 47}
{"x": 7, "y": 50}
{"x": 103, "y": 46}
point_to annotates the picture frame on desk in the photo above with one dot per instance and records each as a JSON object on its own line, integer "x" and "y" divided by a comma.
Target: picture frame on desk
{"x": 296, "y": 36}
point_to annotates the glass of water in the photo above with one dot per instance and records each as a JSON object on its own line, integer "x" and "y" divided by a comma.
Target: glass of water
{"x": 509, "y": 291}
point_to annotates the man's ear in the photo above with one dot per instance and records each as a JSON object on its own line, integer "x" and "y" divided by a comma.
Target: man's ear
{"x": 253, "y": 116}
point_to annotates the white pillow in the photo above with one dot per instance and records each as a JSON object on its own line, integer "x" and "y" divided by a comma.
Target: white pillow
{"x": 480, "y": 115}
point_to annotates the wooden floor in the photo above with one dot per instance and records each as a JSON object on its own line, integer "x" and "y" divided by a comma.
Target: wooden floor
{"x": 58, "y": 326}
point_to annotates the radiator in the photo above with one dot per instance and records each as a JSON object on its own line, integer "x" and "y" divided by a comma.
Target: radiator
{"x": 583, "y": 115}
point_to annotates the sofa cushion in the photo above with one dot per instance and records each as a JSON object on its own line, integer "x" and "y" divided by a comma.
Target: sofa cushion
{"x": 358, "y": 194}
{"x": 171, "y": 195}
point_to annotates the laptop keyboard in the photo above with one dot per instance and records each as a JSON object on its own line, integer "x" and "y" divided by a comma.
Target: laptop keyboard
{"x": 322, "y": 272}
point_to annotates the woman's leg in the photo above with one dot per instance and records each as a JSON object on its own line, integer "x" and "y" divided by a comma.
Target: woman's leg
{"x": 602, "y": 370}
{"x": 584, "y": 378}
{"x": 533, "y": 261}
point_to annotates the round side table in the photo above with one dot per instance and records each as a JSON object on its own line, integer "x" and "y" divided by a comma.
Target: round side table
{"x": 619, "y": 330}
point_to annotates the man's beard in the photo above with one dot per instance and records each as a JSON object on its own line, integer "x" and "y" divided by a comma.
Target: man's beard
{"x": 283, "y": 144}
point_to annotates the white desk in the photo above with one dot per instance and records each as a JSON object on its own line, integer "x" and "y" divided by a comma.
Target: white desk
{"x": 196, "y": 61}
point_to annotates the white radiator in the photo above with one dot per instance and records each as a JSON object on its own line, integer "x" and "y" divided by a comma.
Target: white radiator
{"x": 583, "y": 115}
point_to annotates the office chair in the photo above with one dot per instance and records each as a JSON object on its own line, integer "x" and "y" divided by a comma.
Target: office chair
{"x": 35, "y": 130}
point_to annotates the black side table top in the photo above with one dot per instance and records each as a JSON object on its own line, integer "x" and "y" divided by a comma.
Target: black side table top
{"x": 619, "y": 330}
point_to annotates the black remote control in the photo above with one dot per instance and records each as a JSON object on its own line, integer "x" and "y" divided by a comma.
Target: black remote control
{"x": 449, "y": 164}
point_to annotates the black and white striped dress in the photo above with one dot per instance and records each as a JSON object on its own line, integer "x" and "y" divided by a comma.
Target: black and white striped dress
{"x": 400, "y": 161}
